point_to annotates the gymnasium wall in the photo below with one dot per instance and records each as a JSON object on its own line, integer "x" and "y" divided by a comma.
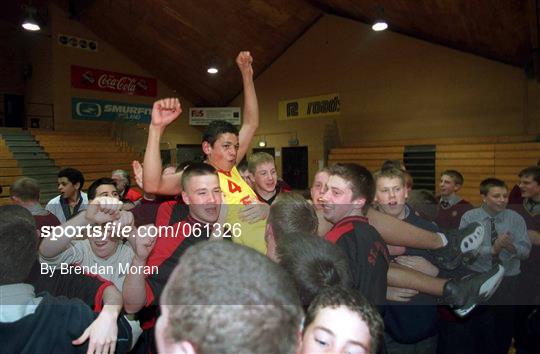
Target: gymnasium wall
{"x": 50, "y": 81}
{"x": 392, "y": 87}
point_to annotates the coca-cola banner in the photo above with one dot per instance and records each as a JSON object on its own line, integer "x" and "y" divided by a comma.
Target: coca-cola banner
{"x": 101, "y": 80}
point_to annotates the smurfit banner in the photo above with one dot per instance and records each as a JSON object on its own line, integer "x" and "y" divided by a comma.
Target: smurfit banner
{"x": 91, "y": 109}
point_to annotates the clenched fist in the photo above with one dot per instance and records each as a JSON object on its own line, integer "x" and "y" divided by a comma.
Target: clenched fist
{"x": 165, "y": 111}
{"x": 244, "y": 61}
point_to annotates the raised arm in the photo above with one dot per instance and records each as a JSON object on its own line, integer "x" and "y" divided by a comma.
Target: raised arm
{"x": 134, "y": 289}
{"x": 164, "y": 112}
{"x": 251, "y": 108}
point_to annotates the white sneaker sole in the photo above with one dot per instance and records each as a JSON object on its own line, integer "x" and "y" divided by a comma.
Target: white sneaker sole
{"x": 486, "y": 291}
{"x": 473, "y": 241}
{"x": 490, "y": 286}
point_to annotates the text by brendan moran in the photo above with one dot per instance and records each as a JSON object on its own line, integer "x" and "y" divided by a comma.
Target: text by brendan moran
{"x": 119, "y": 269}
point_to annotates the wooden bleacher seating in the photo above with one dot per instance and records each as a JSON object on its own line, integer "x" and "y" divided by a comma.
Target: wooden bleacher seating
{"x": 92, "y": 153}
{"x": 475, "y": 158}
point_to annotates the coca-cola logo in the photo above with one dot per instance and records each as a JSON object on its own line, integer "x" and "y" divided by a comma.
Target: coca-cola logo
{"x": 124, "y": 84}
{"x": 95, "y": 79}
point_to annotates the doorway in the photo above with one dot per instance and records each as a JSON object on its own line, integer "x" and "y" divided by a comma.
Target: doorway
{"x": 14, "y": 111}
{"x": 294, "y": 164}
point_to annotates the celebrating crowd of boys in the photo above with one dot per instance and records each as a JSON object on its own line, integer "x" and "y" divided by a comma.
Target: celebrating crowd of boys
{"x": 246, "y": 265}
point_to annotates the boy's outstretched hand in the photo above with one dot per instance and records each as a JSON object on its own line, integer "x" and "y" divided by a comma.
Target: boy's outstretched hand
{"x": 244, "y": 61}
{"x": 165, "y": 111}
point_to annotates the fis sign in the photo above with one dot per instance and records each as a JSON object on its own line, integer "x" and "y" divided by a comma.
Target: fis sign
{"x": 308, "y": 107}
{"x": 90, "y": 109}
{"x": 205, "y": 115}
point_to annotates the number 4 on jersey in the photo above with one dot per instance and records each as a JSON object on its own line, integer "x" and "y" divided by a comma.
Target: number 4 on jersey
{"x": 233, "y": 187}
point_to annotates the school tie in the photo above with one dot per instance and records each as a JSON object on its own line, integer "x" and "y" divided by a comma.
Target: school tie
{"x": 495, "y": 257}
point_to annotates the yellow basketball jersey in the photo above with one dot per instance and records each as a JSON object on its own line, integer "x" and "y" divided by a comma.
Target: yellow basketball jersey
{"x": 237, "y": 194}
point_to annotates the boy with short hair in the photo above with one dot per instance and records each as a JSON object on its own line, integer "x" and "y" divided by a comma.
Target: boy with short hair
{"x": 224, "y": 147}
{"x": 340, "y": 320}
{"x": 505, "y": 242}
{"x": 451, "y": 206}
{"x": 290, "y": 213}
{"x": 349, "y": 193}
{"x": 25, "y": 192}
{"x": 31, "y": 322}
{"x": 244, "y": 172}
{"x": 226, "y": 298}
{"x": 408, "y": 329}
{"x": 202, "y": 195}
{"x": 71, "y": 199}
{"x": 529, "y": 279}
{"x": 101, "y": 251}
{"x": 267, "y": 185}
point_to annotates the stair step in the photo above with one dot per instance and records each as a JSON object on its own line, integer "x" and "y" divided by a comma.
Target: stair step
{"x": 30, "y": 155}
{"x": 40, "y": 170}
{"x": 19, "y": 143}
{"x": 35, "y": 163}
{"x": 44, "y": 177}
{"x": 13, "y": 131}
{"x": 11, "y": 138}
{"x": 26, "y": 149}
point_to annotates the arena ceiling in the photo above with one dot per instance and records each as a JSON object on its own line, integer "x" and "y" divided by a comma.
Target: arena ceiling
{"x": 175, "y": 40}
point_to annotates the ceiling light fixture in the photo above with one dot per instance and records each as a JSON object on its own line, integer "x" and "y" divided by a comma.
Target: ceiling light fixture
{"x": 29, "y": 23}
{"x": 379, "y": 24}
{"x": 212, "y": 70}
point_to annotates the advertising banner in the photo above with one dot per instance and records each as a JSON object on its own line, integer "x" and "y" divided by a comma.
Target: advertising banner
{"x": 204, "y": 115}
{"x": 101, "y": 80}
{"x": 309, "y": 107}
{"x": 91, "y": 109}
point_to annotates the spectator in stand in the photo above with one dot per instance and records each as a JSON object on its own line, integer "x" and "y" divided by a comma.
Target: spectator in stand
{"x": 71, "y": 200}
{"x": 451, "y": 206}
{"x": 262, "y": 168}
